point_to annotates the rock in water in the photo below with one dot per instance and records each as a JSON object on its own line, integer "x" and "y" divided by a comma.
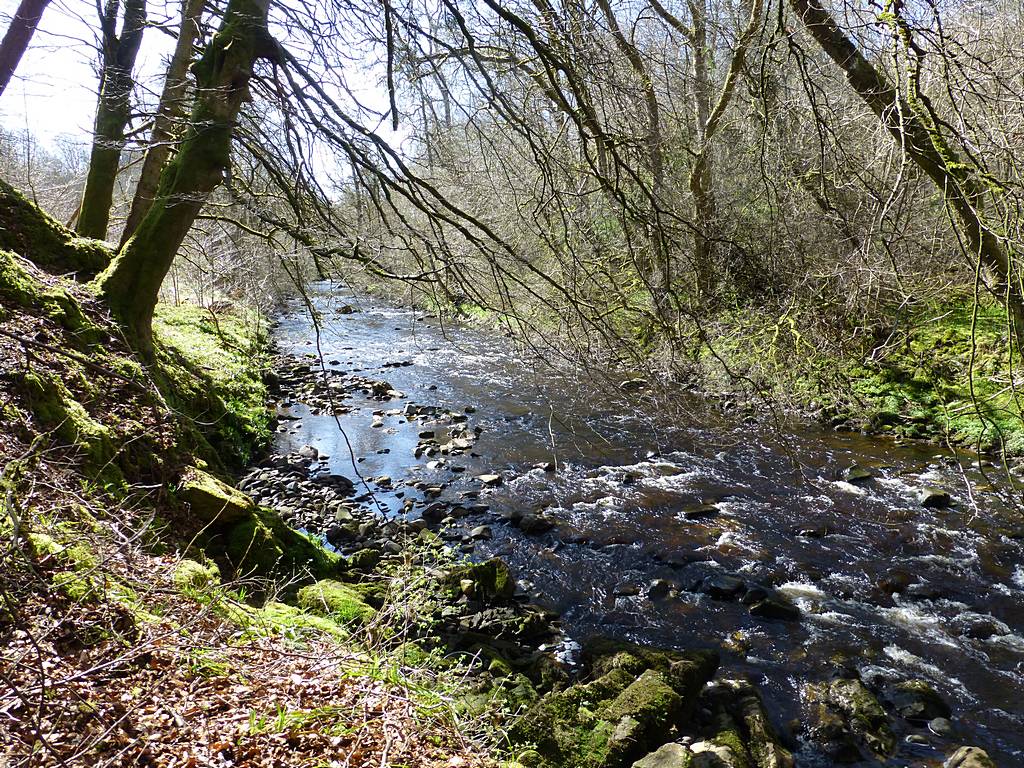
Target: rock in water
{"x": 857, "y": 474}
{"x": 481, "y": 532}
{"x": 969, "y": 757}
{"x": 933, "y": 498}
{"x": 917, "y": 702}
{"x": 489, "y": 479}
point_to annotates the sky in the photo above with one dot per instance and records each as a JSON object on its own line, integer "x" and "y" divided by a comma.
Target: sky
{"x": 53, "y": 92}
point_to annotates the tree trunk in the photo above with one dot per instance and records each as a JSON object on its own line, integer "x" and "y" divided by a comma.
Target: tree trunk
{"x": 658, "y": 272}
{"x": 113, "y": 110}
{"x": 701, "y": 181}
{"x": 131, "y": 285}
{"x": 169, "y": 114}
{"x": 915, "y": 131}
{"x": 18, "y": 36}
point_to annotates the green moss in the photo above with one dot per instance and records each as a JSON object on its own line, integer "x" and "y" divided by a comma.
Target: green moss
{"x": 337, "y": 600}
{"x": 492, "y": 580}
{"x": 212, "y": 500}
{"x": 55, "y": 408}
{"x": 941, "y": 374}
{"x": 212, "y": 365}
{"x": 864, "y": 714}
{"x": 281, "y": 619}
{"x": 43, "y": 545}
{"x": 263, "y": 544}
{"x": 649, "y": 698}
{"x": 191, "y": 576}
{"x": 621, "y": 714}
{"x": 30, "y": 232}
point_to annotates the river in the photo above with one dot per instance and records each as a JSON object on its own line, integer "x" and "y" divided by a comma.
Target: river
{"x": 886, "y": 586}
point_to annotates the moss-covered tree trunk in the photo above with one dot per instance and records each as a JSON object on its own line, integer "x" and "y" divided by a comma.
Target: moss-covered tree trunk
{"x": 18, "y": 36}
{"x": 169, "y": 115}
{"x": 131, "y": 284}
{"x": 913, "y": 124}
{"x": 113, "y": 110}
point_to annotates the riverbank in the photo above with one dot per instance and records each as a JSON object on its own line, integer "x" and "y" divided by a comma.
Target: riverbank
{"x": 153, "y": 614}
{"x": 941, "y": 372}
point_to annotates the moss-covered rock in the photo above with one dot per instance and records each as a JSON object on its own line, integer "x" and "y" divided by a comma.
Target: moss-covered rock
{"x": 190, "y": 575}
{"x": 969, "y": 757}
{"x": 263, "y": 544}
{"x": 848, "y": 720}
{"x": 339, "y": 601}
{"x": 625, "y": 711}
{"x": 31, "y": 233}
{"x": 491, "y": 580}
{"x": 276, "y": 618}
{"x": 741, "y": 712}
{"x": 669, "y": 755}
{"x": 214, "y": 501}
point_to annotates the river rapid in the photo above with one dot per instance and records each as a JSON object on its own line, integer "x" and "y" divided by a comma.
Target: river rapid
{"x": 658, "y": 509}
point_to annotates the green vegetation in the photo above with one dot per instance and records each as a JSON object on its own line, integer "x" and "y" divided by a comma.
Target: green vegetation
{"x": 214, "y": 365}
{"x": 943, "y": 374}
{"x": 336, "y": 600}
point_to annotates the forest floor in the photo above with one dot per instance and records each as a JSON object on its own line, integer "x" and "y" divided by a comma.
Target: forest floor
{"x": 122, "y": 643}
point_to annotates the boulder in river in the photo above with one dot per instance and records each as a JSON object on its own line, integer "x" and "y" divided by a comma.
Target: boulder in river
{"x": 969, "y": 757}
{"x": 848, "y": 722}
{"x": 722, "y": 586}
{"x": 857, "y": 474}
{"x": 490, "y": 480}
{"x": 933, "y": 498}
{"x": 699, "y": 511}
{"x": 917, "y": 701}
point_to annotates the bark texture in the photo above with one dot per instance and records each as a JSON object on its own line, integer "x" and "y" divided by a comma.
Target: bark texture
{"x": 169, "y": 116}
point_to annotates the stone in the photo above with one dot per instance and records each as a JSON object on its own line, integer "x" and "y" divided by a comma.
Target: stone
{"x": 699, "y": 512}
{"x": 856, "y": 713}
{"x": 481, "y": 532}
{"x": 669, "y": 755}
{"x": 969, "y": 757}
{"x": 917, "y": 702}
{"x": 492, "y": 579}
{"x": 659, "y": 589}
{"x": 776, "y": 606}
{"x": 933, "y": 498}
{"x": 941, "y": 726}
{"x": 212, "y": 500}
{"x": 722, "y": 587}
{"x": 339, "y": 601}
{"x": 534, "y": 525}
{"x": 490, "y": 480}
{"x": 857, "y": 474}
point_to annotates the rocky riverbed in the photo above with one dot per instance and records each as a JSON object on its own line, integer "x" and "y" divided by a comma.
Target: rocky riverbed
{"x": 811, "y": 632}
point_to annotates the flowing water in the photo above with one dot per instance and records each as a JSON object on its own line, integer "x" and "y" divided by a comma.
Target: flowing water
{"x": 887, "y": 587}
